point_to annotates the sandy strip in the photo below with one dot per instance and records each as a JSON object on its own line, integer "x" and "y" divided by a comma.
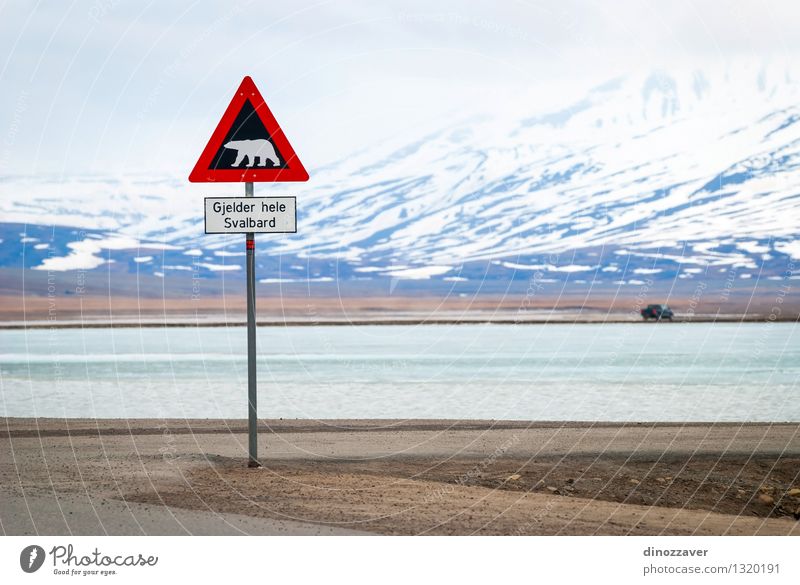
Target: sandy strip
{"x": 398, "y": 477}
{"x": 82, "y": 515}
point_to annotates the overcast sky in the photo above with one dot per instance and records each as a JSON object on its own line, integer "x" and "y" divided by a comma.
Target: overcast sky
{"x": 129, "y": 86}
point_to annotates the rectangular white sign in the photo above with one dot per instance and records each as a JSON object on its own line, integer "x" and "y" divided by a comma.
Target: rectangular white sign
{"x": 239, "y": 215}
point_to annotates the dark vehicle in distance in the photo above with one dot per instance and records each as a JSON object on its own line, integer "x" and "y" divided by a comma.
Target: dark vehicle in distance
{"x": 657, "y": 312}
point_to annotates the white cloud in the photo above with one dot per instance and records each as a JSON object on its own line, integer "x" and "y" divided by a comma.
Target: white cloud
{"x": 145, "y": 88}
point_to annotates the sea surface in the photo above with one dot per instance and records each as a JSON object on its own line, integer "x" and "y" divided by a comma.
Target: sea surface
{"x": 603, "y": 372}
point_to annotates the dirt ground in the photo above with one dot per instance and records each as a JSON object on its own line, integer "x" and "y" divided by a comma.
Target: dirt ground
{"x": 408, "y": 477}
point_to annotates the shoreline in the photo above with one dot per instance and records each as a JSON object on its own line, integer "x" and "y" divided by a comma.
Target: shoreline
{"x": 126, "y": 323}
{"x": 400, "y": 477}
{"x": 43, "y": 312}
{"x": 58, "y": 427}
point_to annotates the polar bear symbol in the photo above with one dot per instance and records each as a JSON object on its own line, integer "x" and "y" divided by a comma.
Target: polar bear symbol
{"x": 252, "y": 150}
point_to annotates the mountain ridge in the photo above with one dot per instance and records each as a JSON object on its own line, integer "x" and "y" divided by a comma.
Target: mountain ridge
{"x": 664, "y": 176}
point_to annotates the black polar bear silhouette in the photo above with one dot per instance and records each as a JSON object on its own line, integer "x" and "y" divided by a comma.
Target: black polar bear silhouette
{"x": 253, "y": 149}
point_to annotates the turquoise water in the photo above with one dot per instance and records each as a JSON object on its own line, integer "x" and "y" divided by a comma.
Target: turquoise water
{"x": 614, "y": 372}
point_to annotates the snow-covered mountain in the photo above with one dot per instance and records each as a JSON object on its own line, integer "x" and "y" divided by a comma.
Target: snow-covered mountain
{"x": 667, "y": 175}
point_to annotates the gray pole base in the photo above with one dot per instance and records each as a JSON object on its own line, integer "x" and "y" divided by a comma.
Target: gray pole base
{"x": 252, "y": 386}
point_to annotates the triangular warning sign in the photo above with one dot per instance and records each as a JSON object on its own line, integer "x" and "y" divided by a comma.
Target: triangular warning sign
{"x": 248, "y": 145}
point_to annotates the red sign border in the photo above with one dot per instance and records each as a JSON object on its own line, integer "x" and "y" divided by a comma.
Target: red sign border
{"x": 295, "y": 171}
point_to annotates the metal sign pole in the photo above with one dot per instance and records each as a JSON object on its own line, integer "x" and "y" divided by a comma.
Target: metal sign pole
{"x": 252, "y": 419}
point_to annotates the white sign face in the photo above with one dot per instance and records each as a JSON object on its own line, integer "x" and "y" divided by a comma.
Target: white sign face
{"x": 239, "y": 215}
